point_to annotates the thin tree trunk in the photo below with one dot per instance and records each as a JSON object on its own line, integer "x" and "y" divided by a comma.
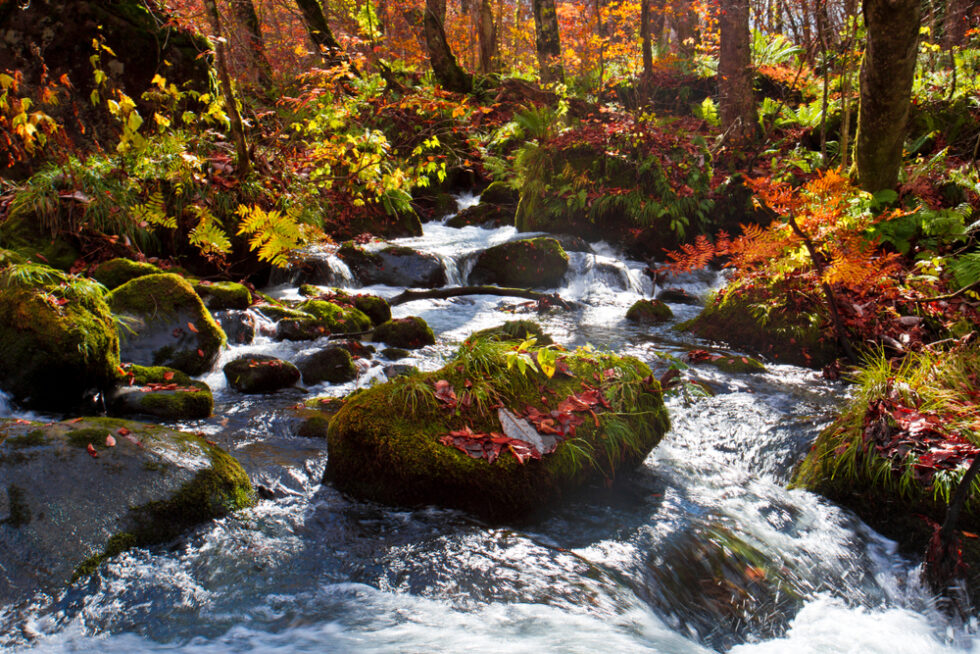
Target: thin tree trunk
{"x": 886, "y": 90}
{"x": 447, "y": 70}
{"x": 319, "y": 31}
{"x": 487, "y": 36}
{"x": 255, "y": 44}
{"x": 956, "y": 23}
{"x": 243, "y": 163}
{"x": 548, "y": 41}
{"x": 646, "y": 40}
{"x": 737, "y": 101}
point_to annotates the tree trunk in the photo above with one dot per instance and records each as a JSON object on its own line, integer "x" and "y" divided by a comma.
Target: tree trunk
{"x": 736, "y": 99}
{"x": 548, "y": 41}
{"x": 957, "y": 22}
{"x": 319, "y": 31}
{"x": 886, "y": 90}
{"x": 487, "y": 36}
{"x": 255, "y": 44}
{"x": 447, "y": 70}
{"x": 243, "y": 163}
{"x": 646, "y": 39}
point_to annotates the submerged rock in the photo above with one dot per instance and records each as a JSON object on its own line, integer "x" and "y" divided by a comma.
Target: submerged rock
{"x": 401, "y": 442}
{"x": 394, "y": 266}
{"x": 160, "y": 392}
{"x": 483, "y": 215}
{"x": 260, "y": 373}
{"x": 223, "y": 295}
{"x": 649, "y": 312}
{"x": 527, "y": 263}
{"x": 736, "y": 364}
{"x": 515, "y": 330}
{"x": 238, "y": 326}
{"x": 116, "y": 272}
{"x": 678, "y": 296}
{"x": 77, "y": 492}
{"x": 57, "y": 337}
{"x": 411, "y": 333}
{"x": 164, "y": 322}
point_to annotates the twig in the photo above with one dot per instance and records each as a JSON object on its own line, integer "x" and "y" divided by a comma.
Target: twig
{"x": 949, "y": 296}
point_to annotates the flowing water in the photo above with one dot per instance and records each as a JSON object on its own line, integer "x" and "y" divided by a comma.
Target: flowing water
{"x": 701, "y": 550}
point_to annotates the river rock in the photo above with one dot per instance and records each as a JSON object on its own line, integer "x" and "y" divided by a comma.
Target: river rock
{"x": 57, "y": 337}
{"x": 394, "y": 266}
{"x": 331, "y": 364}
{"x": 160, "y": 392}
{"x": 164, "y": 322}
{"x": 527, "y": 263}
{"x": 223, "y": 295}
{"x": 393, "y": 443}
{"x": 515, "y": 330}
{"x": 260, "y": 373}
{"x": 116, "y": 272}
{"x": 238, "y": 326}
{"x": 483, "y": 215}
{"x": 649, "y": 312}
{"x": 501, "y": 194}
{"x": 77, "y": 492}
{"x": 410, "y": 333}
{"x": 678, "y": 296}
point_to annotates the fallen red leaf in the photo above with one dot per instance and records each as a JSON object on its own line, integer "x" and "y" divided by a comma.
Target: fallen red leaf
{"x": 168, "y": 376}
{"x": 91, "y": 450}
{"x": 191, "y": 327}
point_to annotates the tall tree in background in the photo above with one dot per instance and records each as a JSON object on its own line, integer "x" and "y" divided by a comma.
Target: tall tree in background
{"x": 255, "y": 44}
{"x": 956, "y": 21}
{"x": 487, "y": 31}
{"x": 242, "y": 163}
{"x": 736, "y": 99}
{"x": 886, "y": 90}
{"x": 319, "y": 31}
{"x": 447, "y": 70}
{"x": 646, "y": 41}
{"x": 548, "y": 41}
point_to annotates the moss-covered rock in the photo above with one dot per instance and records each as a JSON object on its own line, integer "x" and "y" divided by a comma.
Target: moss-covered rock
{"x": 260, "y": 373}
{"x": 514, "y": 330}
{"x": 160, "y": 392}
{"x": 57, "y": 337}
{"x": 223, "y": 295}
{"x": 387, "y": 442}
{"x": 374, "y": 307}
{"x": 84, "y": 496}
{"x": 313, "y": 416}
{"x": 649, "y": 312}
{"x": 733, "y": 364}
{"x": 527, "y": 263}
{"x": 331, "y": 364}
{"x": 164, "y": 322}
{"x": 411, "y": 333}
{"x": 483, "y": 215}
{"x": 749, "y": 318}
{"x": 394, "y": 265}
{"x": 315, "y": 318}
{"x": 116, "y": 272}
{"x": 501, "y": 194}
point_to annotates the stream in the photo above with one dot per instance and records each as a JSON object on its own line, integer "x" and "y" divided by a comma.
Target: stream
{"x": 702, "y": 549}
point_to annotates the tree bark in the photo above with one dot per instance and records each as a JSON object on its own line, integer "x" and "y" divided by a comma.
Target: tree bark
{"x": 736, "y": 99}
{"x": 956, "y": 22}
{"x": 447, "y": 70}
{"x": 319, "y": 31}
{"x": 548, "y": 41}
{"x": 255, "y": 44}
{"x": 243, "y": 163}
{"x": 645, "y": 39}
{"x": 886, "y": 90}
{"x": 487, "y": 31}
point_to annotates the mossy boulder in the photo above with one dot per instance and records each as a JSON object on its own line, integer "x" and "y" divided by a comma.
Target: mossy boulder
{"x": 160, "y": 392}
{"x": 483, "y": 215}
{"x": 374, "y": 307}
{"x": 314, "y": 318}
{"x": 527, "y": 263}
{"x": 649, "y": 312}
{"x": 223, "y": 295}
{"x": 514, "y": 330}
{"x": 678, "y": 296}
{"x": 165, "y": 323}
{"x": 500, "y": 193}
{"x": 57, "y": 337}
{"x": 733, "y": 364}
{"x": 84, "y": 490}
{"x": 331, "y": 364}
{"x": 116, "y": 272}
{"x": 410, "y": 333}
{"x": 786, "y": 334}
{"x": 394, "y": 266}
{"x": 260, "y": 373}
{"x": 388, "y": 443}
{"x": 313, "y": 416}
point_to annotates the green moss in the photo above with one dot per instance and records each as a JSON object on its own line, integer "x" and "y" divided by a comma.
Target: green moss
{"x": 116, "y": 272}
{"x": 384, "y": 443}
{"x": 374, "y": 307}
{"x": 278, "y": 312}
{"x": 528, "y": 263}
{"x": 411, "y": 332}
{"x": 335, "y": 318}
{"x": 314, "y": 426}
{"x": 57, "y": 337}
{"x": 649, "y": 312}
{"x": 224, "y": 295}
{"x": 33, "y": 438}
{"x": 259, "y": 373}
{"x": 736, "y": 364}
{"x": 754, "y": 319}
{"x": 499, "y": 193}
{"x": 514, "y": 330}
{"x": 86, "y": 436}
{"x": 309, "y": 290}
